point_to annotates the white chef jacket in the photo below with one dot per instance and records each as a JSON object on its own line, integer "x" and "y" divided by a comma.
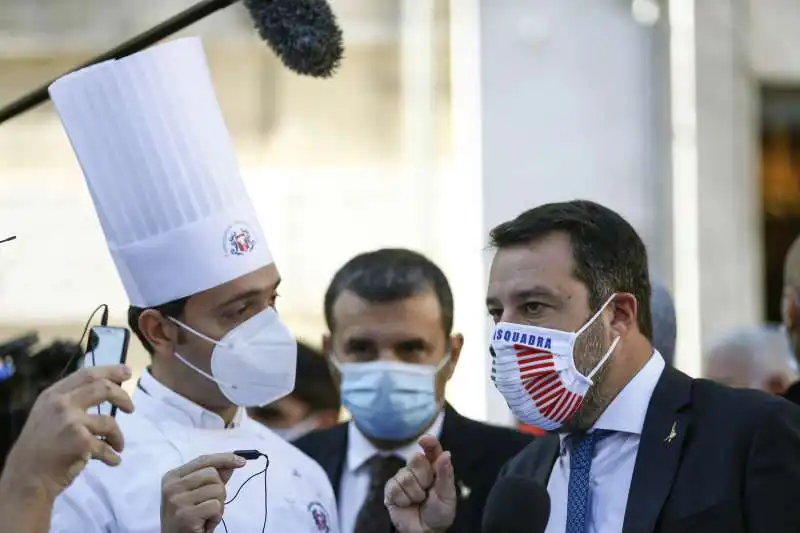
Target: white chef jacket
{"x": 166, "y": 431}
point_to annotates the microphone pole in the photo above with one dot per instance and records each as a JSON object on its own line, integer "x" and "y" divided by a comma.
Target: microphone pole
{"x": 138, "y": 43}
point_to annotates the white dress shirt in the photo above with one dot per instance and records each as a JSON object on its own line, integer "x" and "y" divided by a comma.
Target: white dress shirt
{"x": 614, "y": 457}
{"x": 166, "y": 431}
{"x": 354, "y": 485}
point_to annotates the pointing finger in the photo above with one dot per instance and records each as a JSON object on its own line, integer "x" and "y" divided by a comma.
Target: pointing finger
{"x": 431, "y": 446}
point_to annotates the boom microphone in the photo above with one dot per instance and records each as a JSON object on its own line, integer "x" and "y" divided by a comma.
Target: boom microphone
{"x": 303, "y": 33}
{"x": 516, "y": 505}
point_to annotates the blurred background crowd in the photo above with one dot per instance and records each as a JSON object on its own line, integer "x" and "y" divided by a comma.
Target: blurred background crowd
{"x": 682, "y": 116}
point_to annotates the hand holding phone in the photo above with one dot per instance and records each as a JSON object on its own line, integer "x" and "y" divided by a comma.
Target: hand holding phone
{"x": 107, "y": 346}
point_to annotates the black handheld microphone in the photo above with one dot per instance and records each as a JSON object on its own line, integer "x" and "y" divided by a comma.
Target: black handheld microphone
{"x": 516, "y": 505}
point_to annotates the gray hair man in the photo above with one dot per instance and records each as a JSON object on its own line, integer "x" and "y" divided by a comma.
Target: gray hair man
{"x": 757, "y": 358}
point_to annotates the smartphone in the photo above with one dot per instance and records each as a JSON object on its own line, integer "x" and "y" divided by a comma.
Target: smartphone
{"x": 107, "y": 346}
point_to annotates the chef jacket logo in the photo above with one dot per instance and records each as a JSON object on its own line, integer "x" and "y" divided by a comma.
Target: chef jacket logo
{"x": 238, "y": 240}
{"x": 320, "y": 516}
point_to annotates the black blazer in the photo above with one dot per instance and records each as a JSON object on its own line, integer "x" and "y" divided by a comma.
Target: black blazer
{"x": 793, "y": 393}
{"x": 733, "y": 465}
{"x": 478, "y": 452}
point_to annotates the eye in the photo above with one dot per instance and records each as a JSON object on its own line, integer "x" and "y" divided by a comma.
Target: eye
{"x": 274, "y": 299}
{"x": 534, "y": 308}
{"x": 495, "y": 313}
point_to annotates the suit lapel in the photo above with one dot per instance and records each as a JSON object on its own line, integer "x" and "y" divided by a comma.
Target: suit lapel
{"x": 665, "y": 427}
{"x": 332, "y": 456}
{"x": 548, "y": 448}
{"x": 453, "y": 439}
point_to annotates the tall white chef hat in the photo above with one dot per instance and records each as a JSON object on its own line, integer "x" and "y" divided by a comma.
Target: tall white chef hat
{"x": 162, "y": 172}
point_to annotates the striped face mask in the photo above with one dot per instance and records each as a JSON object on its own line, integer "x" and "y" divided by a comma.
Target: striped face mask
{"x": 534, "y": 369}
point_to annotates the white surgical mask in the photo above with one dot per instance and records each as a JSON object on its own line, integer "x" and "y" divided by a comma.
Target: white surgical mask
{"x": 534, "y": 369}
{"x": 253, "y": 364}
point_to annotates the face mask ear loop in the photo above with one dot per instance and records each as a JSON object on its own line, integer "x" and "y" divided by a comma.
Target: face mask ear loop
{"x": 596, "y": 315}
{"x": 186, "y": 362}
{"x": 603, "y": 360}
{"x": 334, "y": 361}
{"x": 442, "y": 363}
{"x": 197, "y": 333}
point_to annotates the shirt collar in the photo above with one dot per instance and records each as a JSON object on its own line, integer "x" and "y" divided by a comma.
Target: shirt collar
{"x": 360, "y": 449}
{"x": 155, "y": 400}
{"x": 627, "y": 411}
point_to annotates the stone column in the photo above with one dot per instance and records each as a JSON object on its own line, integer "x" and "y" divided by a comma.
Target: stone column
{"x": 729, "y": 214}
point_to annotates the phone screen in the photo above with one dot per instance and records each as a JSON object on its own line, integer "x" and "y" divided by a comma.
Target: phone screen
{"x": 107, "y": 346}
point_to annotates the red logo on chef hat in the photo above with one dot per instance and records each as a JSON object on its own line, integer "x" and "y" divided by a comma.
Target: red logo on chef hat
{"x": 238, "y": 239}
{"x": 320, "y": 516}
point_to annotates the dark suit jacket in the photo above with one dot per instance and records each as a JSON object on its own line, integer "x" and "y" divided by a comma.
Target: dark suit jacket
{"x": 733, "y": 465}
{"x": 478, "y": 452}
{"x": 793, "y": 393}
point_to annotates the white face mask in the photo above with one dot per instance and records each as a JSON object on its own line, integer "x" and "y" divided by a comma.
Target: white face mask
{"x": 253, "y": 364}
{"x": 534, "y": 369}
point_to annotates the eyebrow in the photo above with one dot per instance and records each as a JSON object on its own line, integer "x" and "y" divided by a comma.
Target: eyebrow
{"x": 366, "y": 340}
{"x": 247, "y": 295}
{"x": 538, "y": 291}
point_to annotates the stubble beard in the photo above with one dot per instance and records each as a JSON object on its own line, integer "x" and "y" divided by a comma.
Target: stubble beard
{"x": 588, "y": 352}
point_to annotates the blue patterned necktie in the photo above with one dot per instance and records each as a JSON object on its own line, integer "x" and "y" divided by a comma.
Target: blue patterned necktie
{"x": 580, "y": 464}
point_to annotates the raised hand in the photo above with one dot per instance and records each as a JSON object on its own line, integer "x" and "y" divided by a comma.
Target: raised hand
{"x": 421, "y": 497}
{"x": 60, "y": 437}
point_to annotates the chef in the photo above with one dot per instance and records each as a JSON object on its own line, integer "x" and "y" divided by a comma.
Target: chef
{"x": 193, "y": 258}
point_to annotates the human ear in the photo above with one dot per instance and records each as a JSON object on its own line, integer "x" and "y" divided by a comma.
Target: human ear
{"x": 624, "y": 311}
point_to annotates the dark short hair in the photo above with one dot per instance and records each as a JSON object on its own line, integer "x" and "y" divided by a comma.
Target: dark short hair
{"x": 609, "y": 255}
{"x": 314, "y": 385}
{"x": 390, "y": 275}
{"x": 174, "y": 309}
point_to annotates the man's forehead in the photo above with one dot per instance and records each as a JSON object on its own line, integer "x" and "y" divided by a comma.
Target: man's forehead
{"x": 257, "y": 282}
{"x": 354, "y": 316}
{"x": 351, "y": 306}
{"x": 542, "y": 266}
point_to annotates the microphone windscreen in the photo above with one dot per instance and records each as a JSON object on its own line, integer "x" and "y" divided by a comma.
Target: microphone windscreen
{"x": 303, "y": 33}
{"x": 516, "y": 505}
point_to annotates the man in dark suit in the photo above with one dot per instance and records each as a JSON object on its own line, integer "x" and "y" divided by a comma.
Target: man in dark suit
{"x": 390, "y": 314}
{"x": 635, "y": 445}
{"x": 791, "y": 310}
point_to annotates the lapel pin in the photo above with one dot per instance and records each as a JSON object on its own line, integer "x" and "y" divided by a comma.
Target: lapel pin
{"x": 463, "y": 490}
{"x": 673, "y": 432}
